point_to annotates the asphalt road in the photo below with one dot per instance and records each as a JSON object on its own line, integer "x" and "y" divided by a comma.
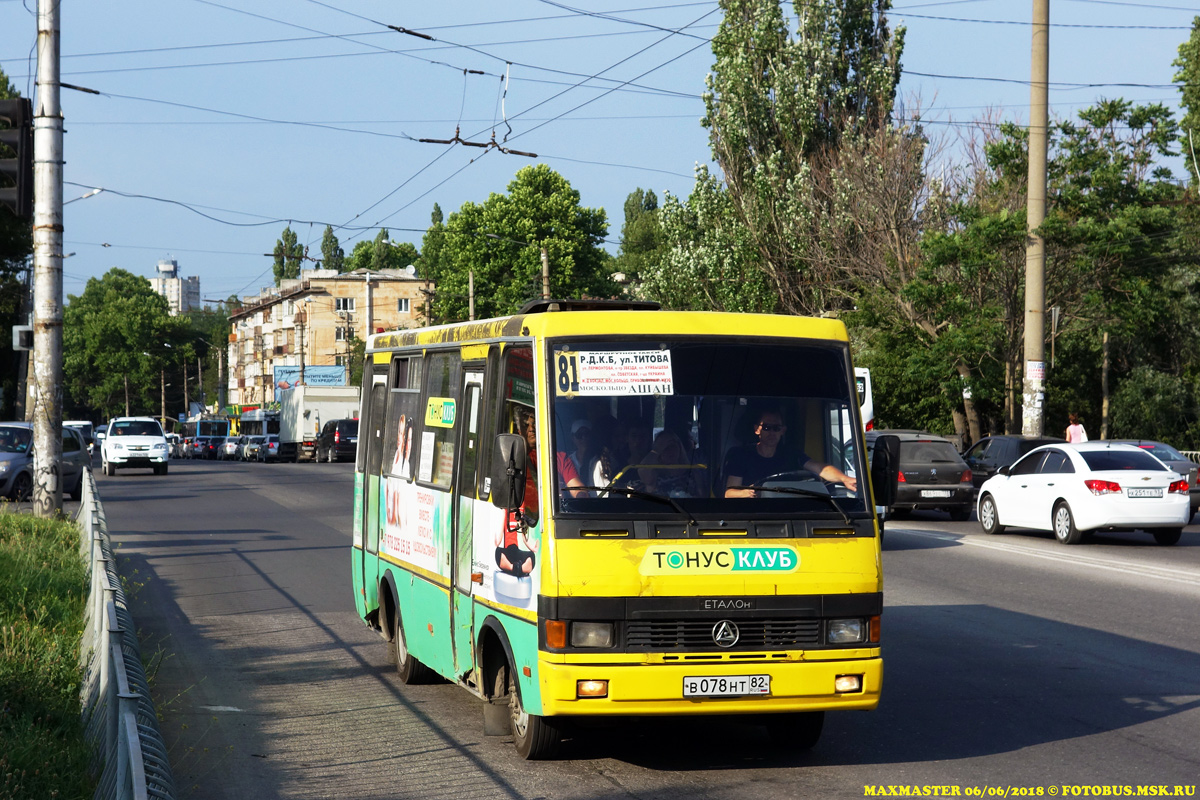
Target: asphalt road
{"x": 1011, "y": 661}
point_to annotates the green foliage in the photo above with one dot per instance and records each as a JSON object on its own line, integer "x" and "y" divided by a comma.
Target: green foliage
{"x": 332, "y": 255}
{"x": 1155, "y": 405}
{"x": 643, "y": 243}
{"x": 43, "y": 587}
{"x": 116, "y": 334}
{"x": 500, "y": 242}
{"x": 381, "y": 253}
{"x": 797, "y": 124}
{"x": 357, "y": 360}
{"x": 289, "y": 254}
{"x": 1188, "y": 78}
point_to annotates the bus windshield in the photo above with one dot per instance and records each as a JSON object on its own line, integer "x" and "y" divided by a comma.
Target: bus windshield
{"x": 703, "y": 426}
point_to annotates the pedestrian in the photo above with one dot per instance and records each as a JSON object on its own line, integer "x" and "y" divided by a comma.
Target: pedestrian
{"x": 1075, "y": 430}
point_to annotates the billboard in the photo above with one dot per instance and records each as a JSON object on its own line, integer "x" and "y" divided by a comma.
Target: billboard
{"x": 313, "y": 376}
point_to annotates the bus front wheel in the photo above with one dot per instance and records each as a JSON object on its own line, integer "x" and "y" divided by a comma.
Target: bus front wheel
{"x": 536, "y": 738}
{"x": 795, "y": 731}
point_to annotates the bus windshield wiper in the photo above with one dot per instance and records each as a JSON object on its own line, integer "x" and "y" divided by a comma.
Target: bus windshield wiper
{"x": 805, "y": 492}
{"x": 662, "y": 498}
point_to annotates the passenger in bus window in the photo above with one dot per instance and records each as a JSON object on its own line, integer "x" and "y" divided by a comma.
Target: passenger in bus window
{"x": 668, "y": 470}
{"x": 746, "y": 466}
{"x": 634, "y": 448}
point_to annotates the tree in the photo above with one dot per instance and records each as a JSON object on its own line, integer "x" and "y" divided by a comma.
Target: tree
{"x": 642, "y": 240}
{"x": 381, "y": 253}
{"x": 795, "y": 125}
{"x": 432, "y": 244}
{"x": 117, "y": 336}
{"x": 1188, "y": 78}
{"x": 16, "y": 246}
{"x": 289, "y": 254}
{"x": 332, "y": 255}
{"x": 500, "y": 243}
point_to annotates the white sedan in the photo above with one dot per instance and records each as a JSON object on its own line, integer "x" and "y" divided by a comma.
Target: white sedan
{"x": 1073, "y": 489}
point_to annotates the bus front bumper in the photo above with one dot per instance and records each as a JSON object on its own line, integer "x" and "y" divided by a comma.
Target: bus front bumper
{"x": 659, "y": 689}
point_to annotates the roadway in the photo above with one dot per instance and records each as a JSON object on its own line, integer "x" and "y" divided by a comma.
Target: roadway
{"x": 1011, "y": 661}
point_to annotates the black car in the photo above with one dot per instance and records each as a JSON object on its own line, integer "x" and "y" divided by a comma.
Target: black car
{"x": 1174, "y": 460}
{"x": 212, "y": 447}
{"x": 338, "y": 440}
{"x": 990, "y": 453}
{"x": 932, "y": 475}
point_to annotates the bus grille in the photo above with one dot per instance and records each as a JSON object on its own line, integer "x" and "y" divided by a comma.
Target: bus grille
{"x": 698, "y": 634}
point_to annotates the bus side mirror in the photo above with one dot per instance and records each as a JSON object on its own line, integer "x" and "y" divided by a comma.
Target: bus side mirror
{"x": 885, "y": 469}
{"x": 508, "y": 471}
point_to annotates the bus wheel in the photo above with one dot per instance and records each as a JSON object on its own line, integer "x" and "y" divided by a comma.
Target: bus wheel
{"x": 408, "y": 667}
{"x": 536, "y": 737}
{"x": 796, "y": 731}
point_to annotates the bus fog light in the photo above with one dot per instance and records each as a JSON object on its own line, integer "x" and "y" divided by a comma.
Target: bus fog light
{"x": 846, "y": 631}
{"x": 844, "y": 684}
{"x": 591, "y": 688}
{"x": 591, "y": 634}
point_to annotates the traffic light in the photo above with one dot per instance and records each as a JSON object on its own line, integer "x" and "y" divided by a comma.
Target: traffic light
{"x": 16, "y": 156}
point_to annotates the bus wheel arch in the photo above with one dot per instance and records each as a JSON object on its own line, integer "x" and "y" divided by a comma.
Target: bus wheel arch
{"x": 535, "y": 737}
{"x": 410, "y": 669}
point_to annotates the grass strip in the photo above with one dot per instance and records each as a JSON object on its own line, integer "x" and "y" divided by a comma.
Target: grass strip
{"x": 43, "y": 590}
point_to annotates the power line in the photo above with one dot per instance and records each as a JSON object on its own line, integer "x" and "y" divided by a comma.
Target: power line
{"x": 1027, "y": 24}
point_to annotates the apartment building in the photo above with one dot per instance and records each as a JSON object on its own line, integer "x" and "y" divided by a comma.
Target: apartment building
{"x": 308, "y": 322}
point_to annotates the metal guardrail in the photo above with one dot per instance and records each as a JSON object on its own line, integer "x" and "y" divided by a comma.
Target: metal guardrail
{"x": 128, "y": 752}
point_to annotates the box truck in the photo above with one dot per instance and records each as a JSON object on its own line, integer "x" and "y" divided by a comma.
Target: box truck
{"x": 302, "y": 412}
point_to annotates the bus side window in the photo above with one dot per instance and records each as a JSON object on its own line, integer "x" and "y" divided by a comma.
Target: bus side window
{"x": 400, "y": 433}
{"x": 435, "y": 453}
{"x": 489, "y": 418}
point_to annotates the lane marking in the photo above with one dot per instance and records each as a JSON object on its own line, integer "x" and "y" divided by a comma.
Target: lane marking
{"x": 220, "y": 708}
{"x": 1189, "y": 577}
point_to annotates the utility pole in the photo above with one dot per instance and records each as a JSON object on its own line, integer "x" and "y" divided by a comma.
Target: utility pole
{"x": 471, "y": 295}
{"x": 47, "y": 267}
{"x": 1033, "y": 387}
{"x": 545, "y": 274}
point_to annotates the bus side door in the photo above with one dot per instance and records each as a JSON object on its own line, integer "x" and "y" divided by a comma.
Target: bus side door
{"x": 368, "y": 488}
{"x": 465, "y": 495}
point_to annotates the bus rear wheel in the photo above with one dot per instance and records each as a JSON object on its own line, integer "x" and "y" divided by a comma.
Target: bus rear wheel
{"x": 536, "y": 738}
{"x": 409, "y": 669}
{"x": 795, "y": 731}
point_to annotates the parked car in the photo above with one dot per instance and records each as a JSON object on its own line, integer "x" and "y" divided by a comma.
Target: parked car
{"x": 932, "y": 475}
{"x": 1075, "y": 489}
{"x": 17, "y": 454}
{"x": 230, "y": 448}
{"x": 269, "y": 449}
{"x": 1174, "y": 460}
{"x": 85, "y": 428}
{"x": 338, "y": 440}
{"x": 250, "y": 446}
{"x": 991, "y": 453}
{"x": 134, "y": 442}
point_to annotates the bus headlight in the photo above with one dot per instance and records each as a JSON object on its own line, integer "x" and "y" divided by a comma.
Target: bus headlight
{"x": 845, "y": 631}
{"x": 591, "y": 634}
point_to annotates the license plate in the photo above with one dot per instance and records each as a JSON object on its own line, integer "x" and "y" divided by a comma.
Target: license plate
{"x": 1134, "y": 492}
{"x": 727, "y": 686}
{"x": 936, "y": 493}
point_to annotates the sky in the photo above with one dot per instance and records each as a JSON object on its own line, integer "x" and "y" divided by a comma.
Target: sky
{"x": 219, "y": 123}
